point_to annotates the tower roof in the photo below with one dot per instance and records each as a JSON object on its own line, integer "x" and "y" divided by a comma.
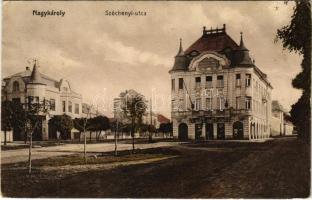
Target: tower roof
{"x": 181, "y": 62}
{"x": 242, "y": 45}
{"x": 35, "y": 76}
{"x": 180, "y": 52}
{"x": 244, "y": 52}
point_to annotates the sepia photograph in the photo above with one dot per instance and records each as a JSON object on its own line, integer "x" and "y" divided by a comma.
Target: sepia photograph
{"x": 156, "y": 99}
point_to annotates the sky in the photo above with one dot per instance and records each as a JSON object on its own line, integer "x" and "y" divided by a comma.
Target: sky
{"x": 103, "y": 55}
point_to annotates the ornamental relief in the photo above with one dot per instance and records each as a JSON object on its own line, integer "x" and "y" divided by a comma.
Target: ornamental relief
{"x": 209, "y": 62}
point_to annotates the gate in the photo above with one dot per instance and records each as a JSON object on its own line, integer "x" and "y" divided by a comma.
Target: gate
{"x": 183, "y": 131}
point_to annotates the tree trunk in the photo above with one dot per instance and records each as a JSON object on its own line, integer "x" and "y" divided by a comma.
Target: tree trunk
{"x": 99, "y": 135}
{"x": 25, "y": 137}
{"x": 150, "y": 137}
{"x": 29, "y": 155}
{"x": 132, "y": 135}
{"x": 90, "y": 136}
{"x": 5, "y": 138}
{"x": 85, "y": 146}
{"x": 116, "y": 140}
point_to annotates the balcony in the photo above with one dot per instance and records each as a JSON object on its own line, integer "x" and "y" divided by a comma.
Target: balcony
{"x": 211, "y": 113}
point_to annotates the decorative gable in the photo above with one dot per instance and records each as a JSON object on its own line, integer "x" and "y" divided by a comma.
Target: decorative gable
{"x": 209, "y": 61}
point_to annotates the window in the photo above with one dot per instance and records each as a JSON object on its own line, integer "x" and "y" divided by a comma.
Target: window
{"x": 64, "y": 106}
{"x": 248, "y": 103}
{"x": 238, "y": 99}
{"x": 197, "y": 104}
{"x": 248, "y": 80}
{"x": 197, "y": 82}
{"x": 220, "y": 92}
{"x": 208, "y": 103}
{"x": 220, "y": 81}
{"x": 16, "y": 100}
{"x": 181, "y": 104}
{"x": 181, "y": 83}
{"x": 209, "y": 81}
{"x": 173, "y": 84}
{"x": 208, "y": 93}
{"x": 15, "y": 86}
{"x": 238, "y": 80}
{"x": 52, "y": 104}
{"x": 76, "y": 108}
{"x": 220, "y": 102}
{"x": 70, "y": 106}
{"x": 173, "y": 105}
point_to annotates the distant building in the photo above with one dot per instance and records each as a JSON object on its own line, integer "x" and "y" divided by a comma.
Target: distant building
{"x": 218, "y": 92}
{"x": 281, "y": 124}
{"x": 31, "y": 85}
{"x": 147, "y": 118}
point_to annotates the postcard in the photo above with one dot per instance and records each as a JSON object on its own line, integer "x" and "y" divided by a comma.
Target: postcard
{"x": 156, "y": 99}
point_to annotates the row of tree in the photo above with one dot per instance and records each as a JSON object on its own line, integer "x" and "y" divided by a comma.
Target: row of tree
{"x": 63, "y": 124}
{"x": 296, "y": 37}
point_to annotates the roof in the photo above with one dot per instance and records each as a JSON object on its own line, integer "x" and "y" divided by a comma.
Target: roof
{"x": 213, "y": 42}
{"x": 27, "y": 74}
{"x": 162, "y": 119}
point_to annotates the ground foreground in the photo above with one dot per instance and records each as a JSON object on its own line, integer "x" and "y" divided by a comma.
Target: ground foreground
{"x": 278, "y": 168}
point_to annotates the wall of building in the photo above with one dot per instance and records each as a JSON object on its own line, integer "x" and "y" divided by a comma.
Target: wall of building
{"x": 277, "y": 123}
{"x": 258, "y": 91}
{"x": 9, "y": 136}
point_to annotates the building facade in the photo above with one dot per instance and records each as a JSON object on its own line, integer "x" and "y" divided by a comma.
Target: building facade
{"x": 281, "y": 124}
{"x": 31, "y": 85}
{"x": 218, "y": 92}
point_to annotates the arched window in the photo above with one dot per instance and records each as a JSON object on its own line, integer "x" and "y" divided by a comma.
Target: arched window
{"x": 15, "y": 86}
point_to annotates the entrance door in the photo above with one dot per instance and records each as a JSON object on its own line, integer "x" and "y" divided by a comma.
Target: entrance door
{"x": 220, "y": 131}
{"x": 209, "y": 131}
{"x": 183, "y": 131}
{"x": 238, "y": 130}
{"x": 198, "y": 131}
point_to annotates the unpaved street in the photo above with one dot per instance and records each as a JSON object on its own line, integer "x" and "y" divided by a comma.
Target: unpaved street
{"x": 19, "y": 155}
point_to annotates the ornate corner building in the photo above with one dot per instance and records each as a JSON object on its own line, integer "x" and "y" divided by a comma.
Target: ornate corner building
{"x": 31, "y": 85}
{"x": 218, "y": 92}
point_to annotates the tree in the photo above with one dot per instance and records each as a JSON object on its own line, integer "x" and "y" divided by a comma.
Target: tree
{"x": 151, "y": 129}
{"x": 297, "y": 37}
{"x": 62, "y": 123}
{"x": 78, "y": 124}
{"x": 29, "y": 116}
{"x": 6, "y": 118}
{"x": 99, "y": 123}
{"x": 116, "y": 127}
{"x": 82, "y": 124}
{"x": 165, "y": 127}
{"x": 134, "y": 108}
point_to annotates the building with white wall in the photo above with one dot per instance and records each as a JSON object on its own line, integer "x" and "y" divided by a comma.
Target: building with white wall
{"x": 218, "y": 92}
{"x": 280, "y": 120}
{"x": 32, "y": 85}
